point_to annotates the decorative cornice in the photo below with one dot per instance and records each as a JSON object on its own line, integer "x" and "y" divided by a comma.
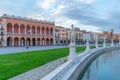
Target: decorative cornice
{"x": 25, "y": 18}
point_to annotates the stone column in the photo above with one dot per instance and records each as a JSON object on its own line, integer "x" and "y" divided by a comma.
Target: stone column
{"x": 104, "y": 43}
{"x": 49, "y": 32}
{"x": 96, "y": 41}
{"x": 19, "y": 42}
{"x": 45, "y": 42}
{"x": 25, "y": 30}
{"x": 36, "y": 31}
{"x": 25, "y": 43}
{"x": 13, "y": 42}
{"x": 13, "y": 30}
{"x": 72, "y": 52}
{"x": 31, "y": 43}
{"x": 40, "y": 30}
{"x": 112, "y": 43}
{"x": 96, "y": 44}
{"x": 4, "y": 24}
{"x": 30, "y": 30}
{"x": 19, "y": 30}
{"x": 45, "y": 31}
{"x": 36, "y": 43}
{"x": 5, "y": 40}
{"x": 49, "y": 42}
{"x": 87, "y": 46}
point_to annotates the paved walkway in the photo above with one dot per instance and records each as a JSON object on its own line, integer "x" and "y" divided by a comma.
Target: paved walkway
{"x": 8, "y": 50}
{"x": 40, "y": 72}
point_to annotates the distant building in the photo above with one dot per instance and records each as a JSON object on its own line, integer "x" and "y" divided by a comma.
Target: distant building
{"x": 61, "y": 35}
{"x": 22, "y": 31}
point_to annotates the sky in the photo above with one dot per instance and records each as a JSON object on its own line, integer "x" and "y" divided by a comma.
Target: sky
{"x": 91, "y": 15}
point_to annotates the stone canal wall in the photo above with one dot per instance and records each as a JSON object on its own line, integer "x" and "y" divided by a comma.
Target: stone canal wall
{"x": 71, "y": 70}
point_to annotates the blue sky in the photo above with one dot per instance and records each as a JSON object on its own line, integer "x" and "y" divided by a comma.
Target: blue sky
{"x": 92, "y": 15}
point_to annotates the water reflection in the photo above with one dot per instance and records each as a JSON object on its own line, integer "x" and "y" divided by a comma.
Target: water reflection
{"x": 88, "y": 74}
{"x": 105, "y": 67}
{"x": 97, "y": 62}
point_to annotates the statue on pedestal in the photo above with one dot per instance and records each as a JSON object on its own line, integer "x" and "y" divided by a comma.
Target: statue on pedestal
{"x": 72, "y": 34}
{"x": 72, "y": 53}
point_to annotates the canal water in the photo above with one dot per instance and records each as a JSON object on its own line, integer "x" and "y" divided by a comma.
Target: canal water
{"x": 104, "y": 67}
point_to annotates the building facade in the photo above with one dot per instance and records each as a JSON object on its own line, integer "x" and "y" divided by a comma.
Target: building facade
{"x": 21, "y": 31}
{"x": 61, "y": 35}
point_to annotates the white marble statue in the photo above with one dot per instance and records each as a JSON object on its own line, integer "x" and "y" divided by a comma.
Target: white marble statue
{"x": 72, "y": 53}
{"x": 72, "y": 34}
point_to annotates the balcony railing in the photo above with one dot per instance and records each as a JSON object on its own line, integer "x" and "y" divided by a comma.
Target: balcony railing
{"x": 28, "y": 34}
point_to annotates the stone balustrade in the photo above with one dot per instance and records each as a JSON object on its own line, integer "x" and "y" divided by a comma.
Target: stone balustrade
{"x": 70, "y": 70}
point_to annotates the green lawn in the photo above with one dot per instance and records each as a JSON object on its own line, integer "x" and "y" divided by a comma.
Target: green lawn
{"x": 14, "y": 64}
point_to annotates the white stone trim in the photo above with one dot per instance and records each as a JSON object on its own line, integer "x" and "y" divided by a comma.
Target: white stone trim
{"x": 65, "y": 71}
{"x": 24, "y": 18}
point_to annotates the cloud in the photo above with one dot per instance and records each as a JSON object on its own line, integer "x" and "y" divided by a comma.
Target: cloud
{"x": 87, "y": 1}
{"x": 75, "y": 12}
{"x": 15, "y": 7}
{"x": 36, "y": 16}
{"x": 81, "y": 12}
{"x": 45, "y": 4}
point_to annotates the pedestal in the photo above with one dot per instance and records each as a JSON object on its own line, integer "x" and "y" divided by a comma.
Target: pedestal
{"x": 96, "y": 44}
{"x": 72, "y": 53}
{"x": 104, "y": 43}
{"x": 119, "y": 42}
{"x": 112, "y": 44}
{"x": 87, "y": 46}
